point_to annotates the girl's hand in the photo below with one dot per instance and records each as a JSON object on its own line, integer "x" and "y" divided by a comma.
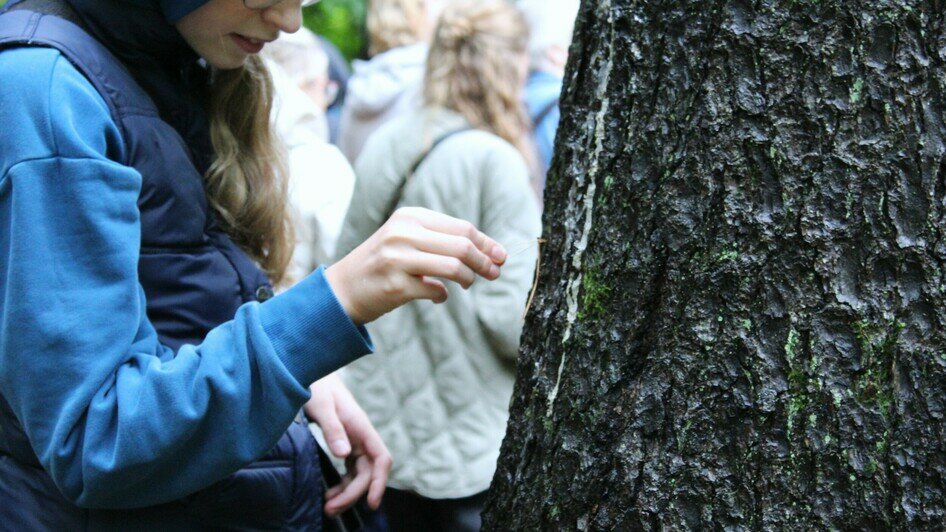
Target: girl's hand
{"x": 350, "y": 435}
{"x": 402, "y": 260}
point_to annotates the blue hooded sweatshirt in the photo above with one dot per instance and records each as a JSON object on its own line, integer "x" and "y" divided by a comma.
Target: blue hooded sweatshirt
{"x": 117, "y": 416}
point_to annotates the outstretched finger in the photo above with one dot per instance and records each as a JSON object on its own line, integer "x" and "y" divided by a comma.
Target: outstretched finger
{"x": 326, "y": 415}
{"x": 422, "y": 264}
{"x": 380, "y": 469}
{"x": 333, "y": 492}
{"x": 442, "y": 223}
{"x": 353, "y": 491}
{"x": 458, "y": 247}
{"x": 368, "y": 442}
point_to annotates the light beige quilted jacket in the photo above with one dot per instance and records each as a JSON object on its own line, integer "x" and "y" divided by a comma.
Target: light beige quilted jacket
{"x": 438, "y": 386}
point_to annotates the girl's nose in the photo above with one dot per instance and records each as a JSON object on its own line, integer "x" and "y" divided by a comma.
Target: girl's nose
{"x": 286, "y": 15}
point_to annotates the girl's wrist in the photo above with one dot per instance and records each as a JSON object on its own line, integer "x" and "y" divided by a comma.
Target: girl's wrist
{"x": 334, "y": 277}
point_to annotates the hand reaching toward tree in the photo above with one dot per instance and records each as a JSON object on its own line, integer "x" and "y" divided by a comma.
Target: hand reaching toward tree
{"x": 403, "y": 260}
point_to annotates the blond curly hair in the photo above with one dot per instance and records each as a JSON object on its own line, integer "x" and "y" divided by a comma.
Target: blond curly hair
{"x": 473, "y": 69}
{"x": 393, "y": 23}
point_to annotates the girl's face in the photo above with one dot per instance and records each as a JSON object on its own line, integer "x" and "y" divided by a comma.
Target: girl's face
{"x": 226, "y": 32}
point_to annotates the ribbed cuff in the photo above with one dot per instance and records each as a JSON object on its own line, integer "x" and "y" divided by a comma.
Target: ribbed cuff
{"x": 310, "y": 331}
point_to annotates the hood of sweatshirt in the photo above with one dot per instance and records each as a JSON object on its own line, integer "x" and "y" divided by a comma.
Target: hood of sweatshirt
{"x": 377, "y": 84}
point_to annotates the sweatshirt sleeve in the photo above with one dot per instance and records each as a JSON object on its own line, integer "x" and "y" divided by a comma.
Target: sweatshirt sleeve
{"x": 116, "y": 418}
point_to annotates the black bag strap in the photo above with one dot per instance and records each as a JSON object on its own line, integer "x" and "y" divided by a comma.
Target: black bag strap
{"x": 399, "y": 191}
{"x": 544, "y": 113}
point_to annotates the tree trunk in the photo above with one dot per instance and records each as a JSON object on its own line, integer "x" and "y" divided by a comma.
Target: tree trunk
{"x": 741, "y": 319}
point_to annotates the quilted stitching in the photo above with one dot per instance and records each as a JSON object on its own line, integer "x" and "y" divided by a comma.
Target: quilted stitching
{"x": 426, "y": 396}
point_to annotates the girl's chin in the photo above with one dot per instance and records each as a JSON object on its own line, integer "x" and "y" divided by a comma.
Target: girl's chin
{"x": 232, "y": 61}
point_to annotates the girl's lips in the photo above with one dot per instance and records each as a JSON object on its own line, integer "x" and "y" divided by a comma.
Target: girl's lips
{"x": 247, "y": 45}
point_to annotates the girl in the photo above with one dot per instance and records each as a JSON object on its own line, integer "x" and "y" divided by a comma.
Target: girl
{"x": 144, "y": 363}
{"x": 439, "y": 392}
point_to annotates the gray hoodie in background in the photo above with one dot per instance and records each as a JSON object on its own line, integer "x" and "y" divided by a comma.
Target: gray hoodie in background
{"x": 384, "y": 87}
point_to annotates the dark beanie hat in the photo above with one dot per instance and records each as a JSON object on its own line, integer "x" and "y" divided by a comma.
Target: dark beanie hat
{"x": 175, "y": 10}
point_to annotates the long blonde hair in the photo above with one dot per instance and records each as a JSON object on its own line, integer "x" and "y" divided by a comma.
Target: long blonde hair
{"x": 393, "y": 23}
{"x": 470, "y": 68}
{"x": 247, "y": 184}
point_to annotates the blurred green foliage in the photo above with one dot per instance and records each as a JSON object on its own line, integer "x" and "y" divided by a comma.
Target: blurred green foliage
{"x": 340, "y": 21}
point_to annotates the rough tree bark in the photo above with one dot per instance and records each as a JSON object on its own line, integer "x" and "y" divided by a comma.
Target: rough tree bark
{"x": 741, "y": 319}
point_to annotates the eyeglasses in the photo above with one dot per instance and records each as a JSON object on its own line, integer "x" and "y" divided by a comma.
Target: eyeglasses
{"x": 266, "y": 4}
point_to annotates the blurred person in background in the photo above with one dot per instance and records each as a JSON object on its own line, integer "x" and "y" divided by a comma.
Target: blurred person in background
{"x": 388, "y": 84}
{"x": 434, "y": 8}
{"x": 338, "y": 73}
{"x": 439, "y": 390}
{"x": 300, "y": 58}
{"x": 320, "y": 178}
{"x": 551, "y": 23}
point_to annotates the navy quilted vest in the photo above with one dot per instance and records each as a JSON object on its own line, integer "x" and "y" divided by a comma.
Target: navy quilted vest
{"x": 194, "y": 278}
